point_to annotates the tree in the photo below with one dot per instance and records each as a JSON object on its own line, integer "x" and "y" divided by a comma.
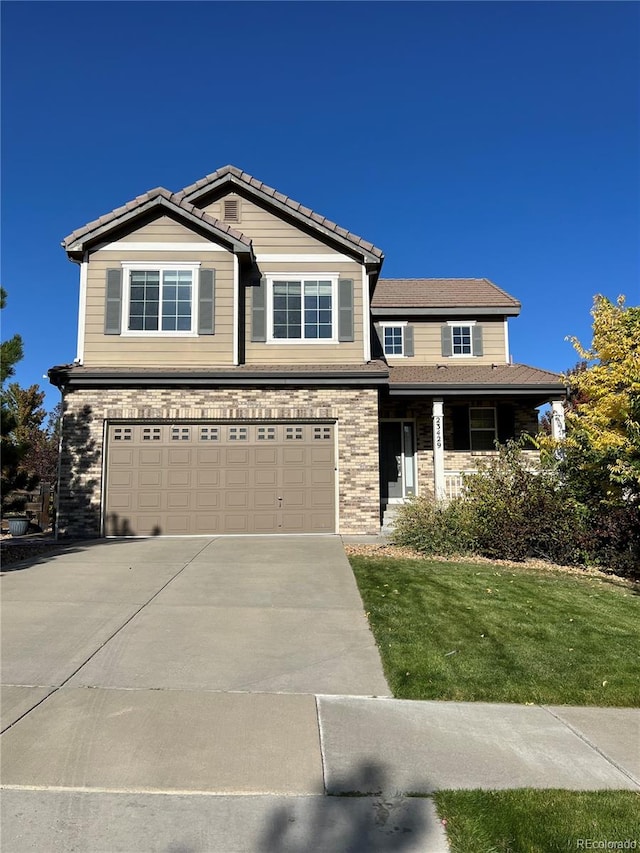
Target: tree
{"x": 603, "y": 422}
{"x": 12, "y": 446}
{"x": 11, "y": 350}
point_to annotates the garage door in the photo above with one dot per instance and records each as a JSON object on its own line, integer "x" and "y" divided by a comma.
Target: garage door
{"x": 185, "y": 479}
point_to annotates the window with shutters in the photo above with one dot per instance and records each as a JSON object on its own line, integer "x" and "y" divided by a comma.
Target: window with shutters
{"x": 159, "y": 299}
{"x": 462, "y": 339}
{"x": 393, "y": 340}
{"x": 302, "y": 309}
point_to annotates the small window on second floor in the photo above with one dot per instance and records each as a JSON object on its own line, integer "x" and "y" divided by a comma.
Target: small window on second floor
{"x": 462, "y": 339}
{"x": 393, "y": 340}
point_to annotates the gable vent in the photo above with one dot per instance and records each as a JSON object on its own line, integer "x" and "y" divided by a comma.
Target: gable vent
{"x": 231, "y": 210}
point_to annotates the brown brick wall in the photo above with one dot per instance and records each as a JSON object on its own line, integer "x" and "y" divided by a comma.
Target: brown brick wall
{"x": 86, "y": 411}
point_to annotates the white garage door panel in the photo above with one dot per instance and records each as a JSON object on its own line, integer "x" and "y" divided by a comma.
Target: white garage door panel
{"x": 185, "y": 479}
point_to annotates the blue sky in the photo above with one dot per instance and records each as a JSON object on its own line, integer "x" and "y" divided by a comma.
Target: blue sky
{"x": 464, "y": 139}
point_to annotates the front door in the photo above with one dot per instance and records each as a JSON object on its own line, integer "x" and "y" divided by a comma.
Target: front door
{"x": 397, "y": 461}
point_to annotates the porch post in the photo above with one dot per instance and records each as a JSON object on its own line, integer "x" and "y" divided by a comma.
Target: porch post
{"x": 438, "y": 449}
{"x": 557, "y": 420}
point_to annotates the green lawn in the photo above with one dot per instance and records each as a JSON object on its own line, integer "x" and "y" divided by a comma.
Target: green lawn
{"x": 480, "y": 632}
{"x": 535, "y": 821}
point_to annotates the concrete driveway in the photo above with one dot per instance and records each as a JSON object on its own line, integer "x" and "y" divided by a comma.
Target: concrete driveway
{"x": 267, "y": 615}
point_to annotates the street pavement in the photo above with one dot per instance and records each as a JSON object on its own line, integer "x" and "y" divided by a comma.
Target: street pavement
{"x": 226, "y": 695}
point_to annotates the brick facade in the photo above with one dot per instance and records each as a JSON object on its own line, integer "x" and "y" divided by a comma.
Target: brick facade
{"x": 355, "y": 411}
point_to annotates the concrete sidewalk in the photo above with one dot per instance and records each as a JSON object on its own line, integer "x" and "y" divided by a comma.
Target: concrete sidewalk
{"x": 202, "y": 695}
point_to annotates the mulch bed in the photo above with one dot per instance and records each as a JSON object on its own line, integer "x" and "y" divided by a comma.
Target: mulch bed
{"x": 404, "y": 553}
{"x": 16, "y": 549}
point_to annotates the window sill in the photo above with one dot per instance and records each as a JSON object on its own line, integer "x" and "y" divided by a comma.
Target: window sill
{"x": 135, "y": 334}
{"x": 305, "y": 342}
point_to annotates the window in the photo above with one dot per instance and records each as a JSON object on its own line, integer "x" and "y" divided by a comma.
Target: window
{"x": 393, "y": 340}
{"x": 160, "y": 299}
{"x": 303, "y": 309}
{"x": 482, "y": 428}
{"x": 461, "y": 340}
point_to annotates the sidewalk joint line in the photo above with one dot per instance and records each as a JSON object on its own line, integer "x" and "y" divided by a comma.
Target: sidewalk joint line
{"x": 592, "y": 746}
{"x": 321, "y": 738}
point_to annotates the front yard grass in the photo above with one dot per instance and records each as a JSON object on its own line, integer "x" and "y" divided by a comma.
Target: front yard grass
{"x": 482, "y": 632}
{"x": 539, "y": 821}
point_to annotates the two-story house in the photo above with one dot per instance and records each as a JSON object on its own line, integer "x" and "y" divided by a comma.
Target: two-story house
{"x": 242, "y": 368}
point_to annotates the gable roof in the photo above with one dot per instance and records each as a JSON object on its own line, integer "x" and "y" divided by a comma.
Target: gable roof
{"x": 234, "y": 177}
{"x": 159, "y": 198}
{"x": 443, "y": 296}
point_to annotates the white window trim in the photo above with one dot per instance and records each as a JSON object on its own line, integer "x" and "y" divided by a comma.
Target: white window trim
{"x": 128, "y": 267}
{"x": 302, "y": 277}
{"x": 469, "y": 323}
{"x": 387, "y": 324}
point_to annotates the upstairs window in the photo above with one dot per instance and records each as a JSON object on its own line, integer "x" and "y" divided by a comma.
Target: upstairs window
{"x": 159, "y": 299}
{"x": 462, "y": 339}
{"x": 393, "y": 340}
{"x": 303, "y": 309}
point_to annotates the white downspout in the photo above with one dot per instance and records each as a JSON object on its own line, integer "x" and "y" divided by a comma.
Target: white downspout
{"x": 82, "y": 307}
{"x": 507, "y": 354}
{"x": 366, "y": 319}
{"x": 236, "y": 310}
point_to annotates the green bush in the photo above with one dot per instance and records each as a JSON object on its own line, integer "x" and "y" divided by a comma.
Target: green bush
{"x": 521, "y": 513}
{"x": 432, "y": 528}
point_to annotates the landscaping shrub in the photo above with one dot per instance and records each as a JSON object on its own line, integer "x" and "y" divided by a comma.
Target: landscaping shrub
{"x": 521, "y": 513}
{"x": 613, "y": 538}
{"x": 432, "y": 528}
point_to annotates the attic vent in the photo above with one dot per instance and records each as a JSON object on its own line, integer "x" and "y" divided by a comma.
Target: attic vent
{"x": 231, "y": 210}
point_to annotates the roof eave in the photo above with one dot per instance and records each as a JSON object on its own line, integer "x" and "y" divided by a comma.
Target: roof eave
{"x": 475, "y": 389}
{"x": 64, "y": 377}
{"x": 456, "y": 311}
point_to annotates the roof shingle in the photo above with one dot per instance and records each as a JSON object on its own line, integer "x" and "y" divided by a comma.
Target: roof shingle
{"x": 440, "y": 293}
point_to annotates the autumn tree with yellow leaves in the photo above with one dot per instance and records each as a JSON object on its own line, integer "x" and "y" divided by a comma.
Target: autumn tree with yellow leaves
{"x": 603, "y": 417}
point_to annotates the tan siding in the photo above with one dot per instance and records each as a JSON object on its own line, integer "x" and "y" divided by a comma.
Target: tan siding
{"x": 428, "y": 345}
{"x": 163, "y": 229}
{"x": 268, "y": 232}
{"x": 305, "y": 353}
{"x": 115, "y": 350}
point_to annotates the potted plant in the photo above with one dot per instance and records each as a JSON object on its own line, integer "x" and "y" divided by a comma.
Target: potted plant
{"x": 18, "y": 523}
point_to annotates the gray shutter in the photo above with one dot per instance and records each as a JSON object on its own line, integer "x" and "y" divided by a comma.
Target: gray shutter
{"x": 476, "y": 338}
{"x": 113, "y": 302}
{"x": 447, "y": 347}
{"x": 380, "y": 336}
{"x": 408, "y": 341}
{"x": 206, "y": 303}
{"x": 345, "y": 309}
{"x": 259, "y": 311}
